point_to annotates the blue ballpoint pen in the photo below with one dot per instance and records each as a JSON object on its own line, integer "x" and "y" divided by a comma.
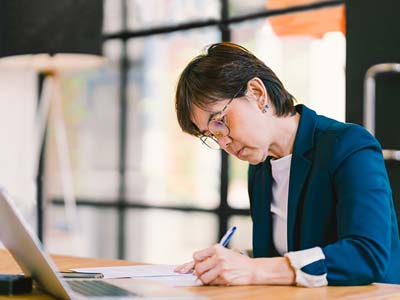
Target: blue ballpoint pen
{"x": 223, "y": 242}
{"x": 225, "y": 239}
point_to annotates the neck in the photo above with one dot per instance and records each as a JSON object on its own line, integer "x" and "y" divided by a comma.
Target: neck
{"x": 286, "y": 129}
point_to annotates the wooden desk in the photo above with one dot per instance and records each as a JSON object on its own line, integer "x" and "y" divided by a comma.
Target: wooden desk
{"x": 370, "y": 292}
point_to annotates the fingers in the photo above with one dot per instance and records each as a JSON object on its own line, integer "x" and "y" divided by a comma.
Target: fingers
{"x": 210, "y": 276}
{"x": 208, "y": 265}
{"x": 211, "y": 265}
{"x": 185, "y": 268}
{"x": 205, "y": 265}
{"x": 198, "y": 256}
{"x": 206, "y": 253}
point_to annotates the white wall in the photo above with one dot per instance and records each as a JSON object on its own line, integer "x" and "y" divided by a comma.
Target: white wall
{"x": 18, "y": 90}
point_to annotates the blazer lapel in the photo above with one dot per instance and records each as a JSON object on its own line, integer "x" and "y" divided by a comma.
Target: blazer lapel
{"x": 300, "y": 167}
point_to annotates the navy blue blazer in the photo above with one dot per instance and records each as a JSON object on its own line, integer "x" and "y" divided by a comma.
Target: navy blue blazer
{"x": 339, "y": 199}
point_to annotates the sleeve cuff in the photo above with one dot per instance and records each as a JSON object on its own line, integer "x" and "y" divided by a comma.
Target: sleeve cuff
{"x": 309, "y": 266}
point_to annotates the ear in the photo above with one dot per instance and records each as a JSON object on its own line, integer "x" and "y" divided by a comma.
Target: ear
{"x": 256, "y": 90}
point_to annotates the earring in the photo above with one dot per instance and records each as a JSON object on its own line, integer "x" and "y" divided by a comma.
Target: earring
{"x": 265, "y": 106}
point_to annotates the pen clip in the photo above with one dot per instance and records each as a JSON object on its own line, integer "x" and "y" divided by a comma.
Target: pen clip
{"x": 74, "y": 274}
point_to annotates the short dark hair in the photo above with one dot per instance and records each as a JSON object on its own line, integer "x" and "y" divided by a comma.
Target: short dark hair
{"x": 218, "y": 74}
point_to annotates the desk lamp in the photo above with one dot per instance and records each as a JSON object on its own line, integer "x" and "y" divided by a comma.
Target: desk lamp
{"x": 51, "y": 37}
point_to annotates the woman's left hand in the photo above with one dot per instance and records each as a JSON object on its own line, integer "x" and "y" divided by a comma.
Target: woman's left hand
{"x": 217, "y": 265}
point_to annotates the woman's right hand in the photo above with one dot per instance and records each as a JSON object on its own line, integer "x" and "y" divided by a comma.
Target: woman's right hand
{"x": 189, "y": 266}
{"x": 185, "y": 268}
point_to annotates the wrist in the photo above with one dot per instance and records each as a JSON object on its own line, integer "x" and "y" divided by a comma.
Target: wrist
{"x": 276, "y": 270}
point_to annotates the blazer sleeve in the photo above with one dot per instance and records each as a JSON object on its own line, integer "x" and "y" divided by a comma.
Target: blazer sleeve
{"x": 363, "y": 210}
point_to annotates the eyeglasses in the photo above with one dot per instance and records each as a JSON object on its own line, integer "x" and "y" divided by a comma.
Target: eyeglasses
{"x": 217, "y": 128}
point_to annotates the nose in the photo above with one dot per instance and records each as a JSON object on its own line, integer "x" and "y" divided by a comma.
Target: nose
{"x": 224, "y": 141}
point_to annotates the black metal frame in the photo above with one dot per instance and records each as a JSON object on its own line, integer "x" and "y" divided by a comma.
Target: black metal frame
{"x": 223, "y": 211}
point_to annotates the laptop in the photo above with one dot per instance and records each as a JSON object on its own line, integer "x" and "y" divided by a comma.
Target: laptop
{"x": 25, "y": 247}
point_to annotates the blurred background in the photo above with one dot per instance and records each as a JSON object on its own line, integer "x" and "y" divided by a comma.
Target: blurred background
{"x": 144, "y": 190}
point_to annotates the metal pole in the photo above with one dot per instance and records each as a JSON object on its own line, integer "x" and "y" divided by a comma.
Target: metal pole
{"x": 123, "y": 123}
{"x": 370, "y": 101}
{"x": 223, "y": 210}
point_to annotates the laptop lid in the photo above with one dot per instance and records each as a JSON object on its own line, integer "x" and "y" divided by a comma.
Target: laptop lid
{"x": 25, "y": 247}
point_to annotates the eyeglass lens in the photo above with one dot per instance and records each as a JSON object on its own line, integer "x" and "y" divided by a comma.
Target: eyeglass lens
{"x": 218, "y": 128}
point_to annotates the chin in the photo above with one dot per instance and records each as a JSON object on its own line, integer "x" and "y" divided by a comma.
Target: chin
{"x": 255, "y": 162}
{"x": 251, "y": 160}
{"x": 257, "y": 159}
{"x": 252, "y": 157}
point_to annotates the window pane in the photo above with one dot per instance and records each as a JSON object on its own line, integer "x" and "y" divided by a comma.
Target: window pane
{"x": 165, "y": 165}
{"x": 308, "y": 65}
{"x": 90, "y": 106}
{"x": 112, "y": 20}
{"x": 240, "y": 7}
{"x": 244, "y": 233}
{"x": 155, "y": 13}
{"x": 168, "y": 237}
{"x": 311, "y": 68}
{"x": 95, "y": 234}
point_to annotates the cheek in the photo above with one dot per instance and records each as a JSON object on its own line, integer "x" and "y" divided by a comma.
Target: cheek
{"x": 248, "y": 130}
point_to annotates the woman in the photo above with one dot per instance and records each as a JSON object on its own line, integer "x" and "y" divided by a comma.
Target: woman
{"x": 320, "y": 198}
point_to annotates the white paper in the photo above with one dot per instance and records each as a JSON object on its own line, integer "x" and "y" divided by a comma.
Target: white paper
{"x": 161, "y": 273}
{"x": 174, "y": 281}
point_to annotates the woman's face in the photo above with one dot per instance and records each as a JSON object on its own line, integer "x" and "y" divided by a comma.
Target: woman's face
{"x": 249, "y": 137}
